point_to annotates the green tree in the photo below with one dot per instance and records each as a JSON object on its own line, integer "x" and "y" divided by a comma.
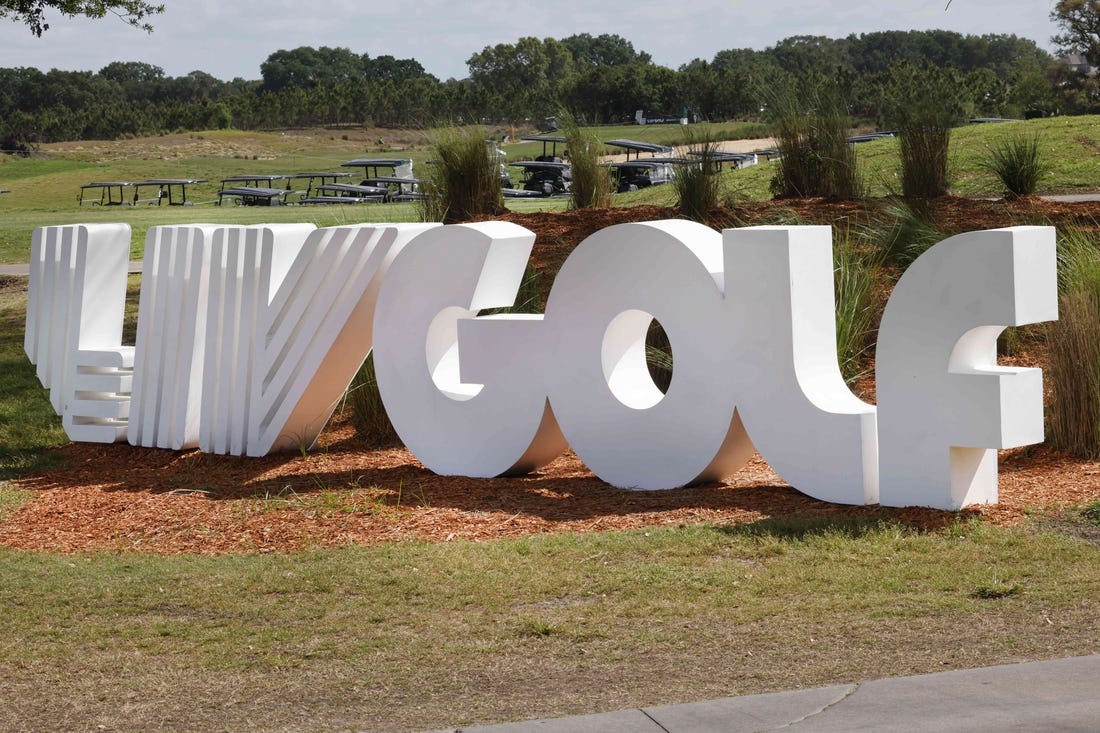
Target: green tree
{"x": 1080, "y": 24}
{"x": 305, "y": 67}
{"x": 1031, "y": 94}
{"x": 33, "y": 12}
{"x": 742, "y": 74}
{"x": 698, "y": 87}
{"x": 806, "y": 55}
{"x": 603, "y": 50}
{"x": 988, "y": 93}
{"x": 526, "y": 78}
{"x": 388, "y": 68}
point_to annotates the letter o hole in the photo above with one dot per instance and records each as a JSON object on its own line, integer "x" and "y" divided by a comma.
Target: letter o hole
{"x": 636, "y": 364}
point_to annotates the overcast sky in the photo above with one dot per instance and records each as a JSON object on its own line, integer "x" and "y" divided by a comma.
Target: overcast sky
{"x": 231, "y": 38}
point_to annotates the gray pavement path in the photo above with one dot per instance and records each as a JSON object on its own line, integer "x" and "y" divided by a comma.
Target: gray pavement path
{"x": 1073, "y": 198}
{"x": 1058, "y": 695}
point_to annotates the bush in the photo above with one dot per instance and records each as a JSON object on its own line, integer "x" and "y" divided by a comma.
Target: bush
{"x": 464, "y": 182}
{"x": 1074, "y": 375}
{"x": 1017, "y": 162}
{"x": 811, "y": 131}
{"x": 698, "y": 182}
{"x": 924, "y": 161}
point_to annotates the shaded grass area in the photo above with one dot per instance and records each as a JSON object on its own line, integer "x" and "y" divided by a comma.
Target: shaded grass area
{"x": 417, "y": 636}
{"x": 27, "y": 421}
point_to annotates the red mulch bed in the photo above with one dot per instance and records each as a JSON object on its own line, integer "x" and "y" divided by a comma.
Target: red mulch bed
{"x": 120, "y": 498}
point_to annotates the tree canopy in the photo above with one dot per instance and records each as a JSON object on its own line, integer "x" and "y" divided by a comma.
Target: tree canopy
{"x": 595, "y": 78}
{"x": 1080, "y": 24}
{"x": 33, "y": 12}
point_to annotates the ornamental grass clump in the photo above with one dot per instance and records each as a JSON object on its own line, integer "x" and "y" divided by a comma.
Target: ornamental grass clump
{"x": 698, "y": 181}
{"x": 1017, "y": 162}
{"x": 923, "y": 102}
{"x": 464, "y": 181}
{"x": 591, "y": 186}
{"x": 857, "y": 271}
{"x": 904, "y": 230}
{"x": 1073, "y": 373}
{"x": 658, "y": 355}
{"x": 368, "y": 414}
{"x": 811, "y": 130}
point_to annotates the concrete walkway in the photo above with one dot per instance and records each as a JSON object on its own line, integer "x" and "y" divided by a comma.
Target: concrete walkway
{"x": 1060, "y": 695}
{"x": 1072, "y": 198}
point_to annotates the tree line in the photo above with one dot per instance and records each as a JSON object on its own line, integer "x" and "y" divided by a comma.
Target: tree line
{"x": 598, "y": 79}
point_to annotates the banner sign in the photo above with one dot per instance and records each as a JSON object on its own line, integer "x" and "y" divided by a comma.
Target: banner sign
{"x": 248, "y": 336}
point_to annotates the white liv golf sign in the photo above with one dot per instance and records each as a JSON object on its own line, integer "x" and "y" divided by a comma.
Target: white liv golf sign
{"x": 248, "y": 336}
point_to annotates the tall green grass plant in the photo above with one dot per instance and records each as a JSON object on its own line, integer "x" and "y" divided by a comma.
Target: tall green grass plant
{"x": 811, "y": 131}
{"x": 903, "y": 230}
{"x": 1073, "y": 340}
{"x": 924, "y": 101}
{"x": 464, "y": 180}
{"x": 1017, "y": 162}
{"x": 698, "y": 182}
{"x": 857, "y": 272}
{"x": 368, "y": 414}
{"x": 591, "y": 186}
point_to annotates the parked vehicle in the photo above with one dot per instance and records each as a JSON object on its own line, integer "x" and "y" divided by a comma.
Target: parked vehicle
{"x": 636, "y": 174}
{"x": 543, "y": 178}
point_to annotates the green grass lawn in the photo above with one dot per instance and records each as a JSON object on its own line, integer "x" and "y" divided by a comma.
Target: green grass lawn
{"x": 46, "y": 190}
{"x": 1070, "y": 145}
{"x": 414, "y": 636}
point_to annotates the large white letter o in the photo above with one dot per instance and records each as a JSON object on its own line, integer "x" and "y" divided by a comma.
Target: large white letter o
{"x": 607, "y": 406}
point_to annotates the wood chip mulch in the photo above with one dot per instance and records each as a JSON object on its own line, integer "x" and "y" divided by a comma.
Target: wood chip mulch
{"x": 120, "y": 498}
